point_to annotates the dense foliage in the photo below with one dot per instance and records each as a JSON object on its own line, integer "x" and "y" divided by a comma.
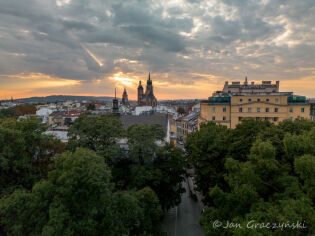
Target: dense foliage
{"x": 25, "y": 153}
{"x": 78, "y": 198}
{"x": 257, "y": 172}
{"x": 16, "y": 111}
{"x": 44, "y": 192}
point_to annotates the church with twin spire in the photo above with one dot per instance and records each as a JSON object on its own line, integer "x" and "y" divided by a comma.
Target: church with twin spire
{"x": 146, "y": 98}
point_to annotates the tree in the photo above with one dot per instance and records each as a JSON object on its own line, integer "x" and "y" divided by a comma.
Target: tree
{"x": 97, "y": 133}
{"x": 25, "y": 153}
{"x": 260, "y": 190}
{"x": 19, "y": 110}
{"x": 181, "y": 110}
{"x": 206, "y": 151}
{"x": 149, "y": 165}
{"x": 142, "y": 141}
{"x": 273, "y": 183}
{"x": 91, "y": 107}
{"x": 152, "y": 211}
{"x": 78, "y": 199}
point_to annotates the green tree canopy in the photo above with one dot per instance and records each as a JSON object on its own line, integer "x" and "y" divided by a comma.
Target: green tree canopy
{"x": 25, "y": 153}
{"x": 97, "y": 133}
{"x": 78, "y": 199}
{"x": 267, "y": 174}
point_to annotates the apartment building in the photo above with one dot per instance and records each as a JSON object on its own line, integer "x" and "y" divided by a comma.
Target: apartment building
{"x": 237, "y": 102}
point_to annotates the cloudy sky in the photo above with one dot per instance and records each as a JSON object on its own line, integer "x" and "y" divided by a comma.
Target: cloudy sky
{"x": 89, "y": 47}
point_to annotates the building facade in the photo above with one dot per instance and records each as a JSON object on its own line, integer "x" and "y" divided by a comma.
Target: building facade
{"x": 146, "y": 98}
{"x": 250, "y": 101}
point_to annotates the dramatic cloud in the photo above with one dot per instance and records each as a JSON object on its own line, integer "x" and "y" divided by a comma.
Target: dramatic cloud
{"x": 190, "y": 46}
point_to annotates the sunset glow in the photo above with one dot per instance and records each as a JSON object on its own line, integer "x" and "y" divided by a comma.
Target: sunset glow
{"x": 190, "y": 47}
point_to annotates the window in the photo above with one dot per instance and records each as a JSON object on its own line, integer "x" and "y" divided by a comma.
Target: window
{"x": 277, "y": 99}
{"x": 275, "y": 119}
{"x": 213, "y": 109}
{"x": 267, "y": 100}
{"x": 241, "y": 109}
{"x": 241, "y": 100}
{"x": 290, "y": 118}
{"x": 257, "y": 118}
{"x": 291, "y": 109}
{"x": 258, "y": 99}
{"x": 302, "y": 109}
{"x": 249, "y": 100}
{"x": 267, "y": 109}
{"x": 240, "y": 118}
{"x": 224, "y": 109}
{"x": 266, "y": 118}
{"x": 258, "y": 109}
{"x": 213, "y": 117}
{"x": 249, "y": 109}
{"x": 224, "y": 118}
{"x": 276, "y": 109}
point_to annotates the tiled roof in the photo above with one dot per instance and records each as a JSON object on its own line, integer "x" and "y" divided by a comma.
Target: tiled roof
{"x": 129, "y": 120}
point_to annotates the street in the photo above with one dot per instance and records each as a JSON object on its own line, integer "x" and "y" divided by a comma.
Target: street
{"x": 183, "y": 219}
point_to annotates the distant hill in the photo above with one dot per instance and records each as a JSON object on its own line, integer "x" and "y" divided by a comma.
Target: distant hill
{"x": 62, "y": 98}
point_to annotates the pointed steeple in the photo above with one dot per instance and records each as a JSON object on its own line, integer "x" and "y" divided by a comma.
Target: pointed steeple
{"x": 149, "y": 82}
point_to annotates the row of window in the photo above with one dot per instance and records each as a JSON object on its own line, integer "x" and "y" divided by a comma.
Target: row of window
{"x": 257, "y": 118}
{"x": 223, "y": 109}
{"x": 249, "y": 109}
{"x": 223, "y": 118}
{"x": 261, "y": 118}
{"x": 258, "y": 100}
{"x": 302, "y": 109}
{"x": 258, "y": 109}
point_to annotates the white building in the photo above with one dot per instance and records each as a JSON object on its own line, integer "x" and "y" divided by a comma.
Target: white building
{"x": 142, "y": 110}
{"x": 43, "y": 114}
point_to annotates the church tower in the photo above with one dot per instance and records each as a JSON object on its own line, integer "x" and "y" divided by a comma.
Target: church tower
{"x": 115, "y": 105}
{"x": 140, "y": 93}
{"x": 147, "y": 98}
{"x": 149, "y": 88}
{"x": 124, "y": 100}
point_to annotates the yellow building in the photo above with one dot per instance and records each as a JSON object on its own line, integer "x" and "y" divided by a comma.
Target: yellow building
{"x": 249, "y": 101}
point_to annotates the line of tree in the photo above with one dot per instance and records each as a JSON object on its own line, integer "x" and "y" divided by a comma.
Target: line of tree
{"x": 91, "y": 186}
{"x": 19, "y": 110}
{"x": 256, "y": 172}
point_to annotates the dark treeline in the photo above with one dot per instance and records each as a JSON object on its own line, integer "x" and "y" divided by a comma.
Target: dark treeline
{"x": 258, "y": 172}
{"x": 16, "y": 111}
{"x": 90, "y": 186}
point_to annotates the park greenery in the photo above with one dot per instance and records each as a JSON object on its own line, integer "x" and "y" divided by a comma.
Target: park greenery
{"x": 16, "y": 111}
{"x": 257, "y": 172}
{"x": 91, "y": 186}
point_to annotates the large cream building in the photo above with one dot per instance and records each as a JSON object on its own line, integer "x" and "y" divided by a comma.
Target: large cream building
{"x": 237, "y": 102}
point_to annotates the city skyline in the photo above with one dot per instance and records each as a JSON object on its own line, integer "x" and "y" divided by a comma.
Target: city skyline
{"x": 190, "y": 47}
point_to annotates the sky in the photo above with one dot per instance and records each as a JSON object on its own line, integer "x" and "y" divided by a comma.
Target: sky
{"x": 190, "y": 47}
